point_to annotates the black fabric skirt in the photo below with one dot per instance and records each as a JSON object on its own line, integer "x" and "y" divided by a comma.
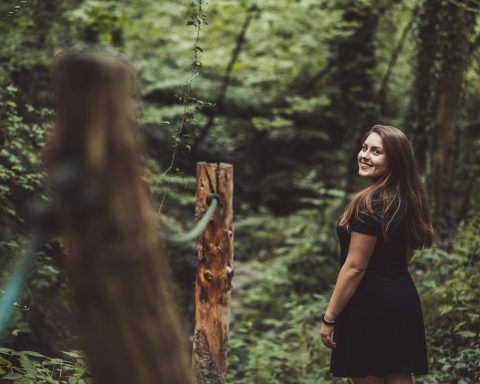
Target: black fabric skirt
{"x": 380, "y": 331}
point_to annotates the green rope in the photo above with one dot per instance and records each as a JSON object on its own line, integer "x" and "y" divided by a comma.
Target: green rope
{"x": 14, "y": 286}
{"x": 201, "y": 225}
{"x": 42, "y": 224}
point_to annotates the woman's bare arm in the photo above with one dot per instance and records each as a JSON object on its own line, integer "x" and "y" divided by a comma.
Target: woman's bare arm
{"x": 359, "y": 252}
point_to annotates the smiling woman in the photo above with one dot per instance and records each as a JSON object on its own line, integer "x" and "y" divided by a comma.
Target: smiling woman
{"x": 374, "y": 322}
{"x": 371, "y": 158}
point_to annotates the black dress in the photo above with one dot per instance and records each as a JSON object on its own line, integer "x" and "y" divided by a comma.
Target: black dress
{"x": 380, "y": 330}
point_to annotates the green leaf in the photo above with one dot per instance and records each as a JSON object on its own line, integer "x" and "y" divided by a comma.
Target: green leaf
{"x": 34, "y": 354}
{"x": 28, "y": 365}
{"x": 466, "y": 334}
{"x": 75, "y": 354}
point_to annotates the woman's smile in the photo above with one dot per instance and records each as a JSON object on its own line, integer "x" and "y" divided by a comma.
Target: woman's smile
{"x": 364, "y": 166}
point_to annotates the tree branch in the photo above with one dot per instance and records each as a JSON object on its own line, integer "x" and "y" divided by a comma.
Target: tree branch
{"x": 226, "y": 79}
{"x": 307, "y": 85}
{"x": 393, "y": 60}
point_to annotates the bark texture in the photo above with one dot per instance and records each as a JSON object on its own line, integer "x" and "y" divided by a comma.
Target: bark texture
{"x": 444, "y": 30}
{"x": 448, "y": 102}
{"x": 214, "y": 256}
{"x": 354, "y": 63}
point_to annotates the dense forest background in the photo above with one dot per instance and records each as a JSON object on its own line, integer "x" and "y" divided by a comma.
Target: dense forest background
{"x": 283, "y": 90}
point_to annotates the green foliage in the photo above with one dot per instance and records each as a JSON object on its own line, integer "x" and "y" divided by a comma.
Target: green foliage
{"x": 285, "y": 349}
{"x": 97, "y": 21}
{"x": 281, "y": 289}
{"x": 278, "y": 299}
{"x": 274, "y": 333}
{"x": 451, "y": 298}
{"x": 198, "y": 18}
{"x": 21, "y": 173}
{"x": 25, "y": 367}
{"x": 282, "y": 125}
{"x": 23, "y": 130}
{"x": 260, "y": 238}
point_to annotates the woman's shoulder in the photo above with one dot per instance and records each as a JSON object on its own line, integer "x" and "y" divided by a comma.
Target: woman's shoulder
{"x": 367, "y": 218}
{"x": 372, "y": 206}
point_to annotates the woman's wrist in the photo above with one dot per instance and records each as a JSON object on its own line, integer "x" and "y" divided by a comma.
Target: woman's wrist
{"x": 329, "y": 316}
{"x": 327, "y": 321}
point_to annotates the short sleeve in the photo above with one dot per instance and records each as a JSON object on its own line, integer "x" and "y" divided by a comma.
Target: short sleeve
{"x": 368, "y": 224}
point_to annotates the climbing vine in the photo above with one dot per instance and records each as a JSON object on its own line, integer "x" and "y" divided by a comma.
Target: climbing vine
{"x": 197, "y": 20}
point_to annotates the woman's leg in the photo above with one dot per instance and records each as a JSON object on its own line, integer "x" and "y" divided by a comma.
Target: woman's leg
{"x": 369, "y": 380}
{"x": 399, "y": 378}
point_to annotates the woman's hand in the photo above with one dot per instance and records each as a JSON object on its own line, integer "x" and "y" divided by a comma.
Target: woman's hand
{"x": 326, "y": 332}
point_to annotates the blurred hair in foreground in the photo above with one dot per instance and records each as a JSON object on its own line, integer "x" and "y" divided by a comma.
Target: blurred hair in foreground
{"x": 130, "y": 328}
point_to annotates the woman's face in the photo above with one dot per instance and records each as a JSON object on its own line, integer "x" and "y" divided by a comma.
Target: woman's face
{"x": 372, "y": 161}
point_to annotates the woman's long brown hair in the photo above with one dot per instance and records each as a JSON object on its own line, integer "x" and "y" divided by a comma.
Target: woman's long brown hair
{"x": 130, "y": 328}
{"x": 398, "y": 196}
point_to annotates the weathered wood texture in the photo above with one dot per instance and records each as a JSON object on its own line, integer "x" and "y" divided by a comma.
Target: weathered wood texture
{"x": 214, "y": 256}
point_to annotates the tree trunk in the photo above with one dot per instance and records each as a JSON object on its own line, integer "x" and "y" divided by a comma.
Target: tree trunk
{"x": 444, "y": 30}
{"x": 355, "y": 61}
{"x": 420, "y": 116}
{"x": 381, "y": 96}
{"x": 214, "y": 256}
{"x": 461, "y": 26}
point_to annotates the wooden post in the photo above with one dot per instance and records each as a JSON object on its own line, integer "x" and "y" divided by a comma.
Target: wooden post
{"x": 213, "y": 285}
